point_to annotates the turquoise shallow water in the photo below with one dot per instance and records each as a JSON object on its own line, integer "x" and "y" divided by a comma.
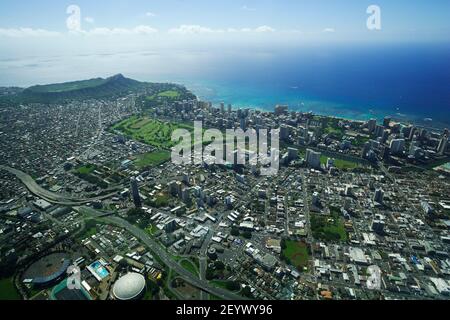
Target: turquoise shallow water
{"x": 266, "y": 98}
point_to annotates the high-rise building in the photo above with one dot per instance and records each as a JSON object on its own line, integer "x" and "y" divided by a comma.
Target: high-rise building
{"x": 414, "y": 149}
{"x": 135, "y": 193}
{"x": 427, "y": 208}
{"x": 292, "y": 154}
{"x": 365, "y": 150}
{"x": 442, "y": 147}
{"x": 386, "y": 122}
{"x": 316, "y": 199}
{"x": 446, "y": 132}
{"x": 330, "y": 163}
{"x": 379, "y": 131}
{"x": 385, "y": 136}
{"x": 412, "y": 133}
{"x": 423, "y": 134}
{"x": 371, "y": 124}
{"x": 284, "y": 133}
{"x": 406, "y": 131}
{"x": 313, "y": 159}
{"x": 243, "y": 124}
{"x": 186, "y": 195}
{"x": 379, "y": 195}
{"x": 378, "y": 226}
{"x": 395, "y": 128}
{"x": 397, "y": 146}
{"x": 348, "y": 190}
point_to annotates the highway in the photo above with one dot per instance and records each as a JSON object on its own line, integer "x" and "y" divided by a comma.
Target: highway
{"x": 55, "y": 198}
{"x": 47, "y": 195}
{"x": 163, "y": 255}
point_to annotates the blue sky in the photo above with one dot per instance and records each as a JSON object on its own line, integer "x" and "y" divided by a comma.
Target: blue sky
{"x": 401, "y": 19}
{"x": 171, "y": 37}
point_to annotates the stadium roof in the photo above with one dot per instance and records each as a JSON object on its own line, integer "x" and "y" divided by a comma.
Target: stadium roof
{"x": 129, "y": 287}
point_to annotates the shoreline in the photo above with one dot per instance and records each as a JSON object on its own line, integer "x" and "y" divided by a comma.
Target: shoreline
{"x": 406, "y": 119}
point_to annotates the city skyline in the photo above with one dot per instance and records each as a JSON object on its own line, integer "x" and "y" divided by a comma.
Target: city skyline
{"x": 203, "y": 150}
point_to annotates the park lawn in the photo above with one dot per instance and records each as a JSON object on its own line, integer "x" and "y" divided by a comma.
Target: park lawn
{"x": 90, "y": 229}
{"x": 189, "y": 266}
{"x": 150, "y": 131}
{"x": 223, "y": 284}
{"x": 345, "y": 164}
{"x": 359, "y": 141}
{"x": 169, "y": 94}
{"x": 328, "y": 228}
{"x": 152, "y": 159}
{"x": 164, "y": 96}
{"x": 8, "y": 291}
{"x": 337, "y": 228}
{"x": 340, "y": 163}
{"x": 335, "y": 130}
{"x": 160, "y": 200}
{"x": 151, "y": 230}
{"x": 297, "y": 253}
{"x": 87, "y": 169}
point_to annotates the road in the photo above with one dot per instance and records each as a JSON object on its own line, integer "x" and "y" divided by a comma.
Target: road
{"x": 202, "y": 258}
{"x": 163, "y": 255}
{"x": 49, "y": 196}
{"x": 35, "y": 189}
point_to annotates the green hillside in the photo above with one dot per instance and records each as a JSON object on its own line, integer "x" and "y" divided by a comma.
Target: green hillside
{"x": 86, "y": 89}
{"x": 151, "y": 94}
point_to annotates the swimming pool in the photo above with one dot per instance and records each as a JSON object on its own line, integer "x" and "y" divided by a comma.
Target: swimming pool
{"x": 98, "y": 270}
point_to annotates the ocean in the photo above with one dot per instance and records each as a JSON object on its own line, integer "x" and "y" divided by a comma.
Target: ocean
{"x": 406, "y": 81}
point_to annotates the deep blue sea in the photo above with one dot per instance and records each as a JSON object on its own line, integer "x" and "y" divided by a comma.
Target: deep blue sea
{"x": 357, "y": 82}
{"x": 403, "y": 82}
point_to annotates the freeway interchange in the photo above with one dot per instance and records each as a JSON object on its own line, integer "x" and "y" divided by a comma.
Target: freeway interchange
{"x": 54, "y": 198}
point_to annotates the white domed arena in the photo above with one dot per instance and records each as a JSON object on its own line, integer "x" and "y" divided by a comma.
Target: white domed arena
{"x": 129, "y": 287}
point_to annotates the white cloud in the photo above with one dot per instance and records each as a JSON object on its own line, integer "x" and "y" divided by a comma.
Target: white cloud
{"x": 264, "y": 29}
{"x": 139, "y": 30}
{"x": 144, "y": 30}
{"x": 89, "y": 20}
{"x": 27, "y": 32}
{"x": 247, "y": 8}
{"x": 196, "y": 29}
{"x": 192, "y": 29}
{"x": 329, "y": 30}
{"x": 150, "y": 14}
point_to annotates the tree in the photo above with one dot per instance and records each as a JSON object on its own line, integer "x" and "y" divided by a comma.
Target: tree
{"x": 219, "y": 265}
{"x": 209, "y": 274}
{"x": 153, "y": 287}
{"x": 135, "y": 212}
{"x": 235, "y": 232}
{"x": 247, "y": 234}
{"x": 232, "y": 285}
{"x": 123, "y": 264}
{"x": 247, "y": 292}
{"x": 283, "y": 244}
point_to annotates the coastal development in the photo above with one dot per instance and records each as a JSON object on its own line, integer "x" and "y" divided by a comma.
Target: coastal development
{"x": 89, "y": 195}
